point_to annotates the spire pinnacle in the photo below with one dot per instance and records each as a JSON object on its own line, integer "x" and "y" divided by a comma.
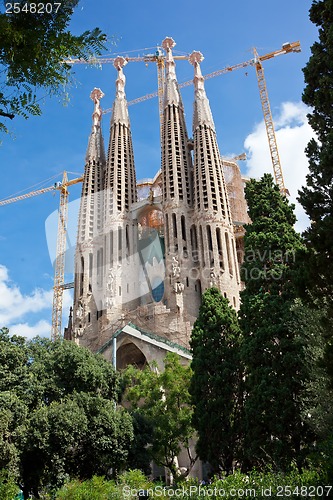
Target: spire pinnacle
{"x": 172, "y": 95}
{"x": 120, "y": 111}
{"x": 119, "y": 63}
{"x": 96, "y": 95}
{"x": 95, "y": 144}
{"x": 202, "y": 112}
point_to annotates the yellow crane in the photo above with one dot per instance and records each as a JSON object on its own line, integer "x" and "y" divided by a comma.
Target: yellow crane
{"x": 256, "y": 61}
{"x": 59, "y": 267}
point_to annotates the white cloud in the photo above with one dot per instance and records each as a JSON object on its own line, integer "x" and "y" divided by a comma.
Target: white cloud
{"x": 292, "y": 134}
{"x": 42, "y": 329}
{"x": 14, "y": 305}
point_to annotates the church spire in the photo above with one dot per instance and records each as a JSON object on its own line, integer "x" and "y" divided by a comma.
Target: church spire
{"x": 171, "y": 92}
{"x": 176, "y": 158}
{"x": 214, "y": 227}
{"x": 120, "y": 181}
{"x": 90, "y": 219}
{"x": 202, "y": 111}
{"x": 209, "y": 184}
{"x": 177, "y": 190}
{"x": 120, "y": 110}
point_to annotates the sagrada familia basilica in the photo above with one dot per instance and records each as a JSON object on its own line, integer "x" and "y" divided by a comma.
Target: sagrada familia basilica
{"x": 146, "y": 251}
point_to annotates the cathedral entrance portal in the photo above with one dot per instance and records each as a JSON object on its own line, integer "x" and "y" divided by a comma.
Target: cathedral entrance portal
{"x": 130, "y": 354}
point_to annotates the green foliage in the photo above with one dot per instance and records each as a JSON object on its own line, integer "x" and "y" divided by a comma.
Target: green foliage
{"x": 317, "y": 196}
{"x": 164, "y": 401}
{"x": 138, "y": 457}
{"x": 33, "y": 48}
{"x": 134, "y": 479}
{"x": 269, "y": 485}
{"x": 58, "y": 417}
{"x": 237, "y": 485}
{"x": 273, "y": 347}
{"x": 8, "y": 488}
{"x": 216, "y": 381}
{"x": 97, "y": 488}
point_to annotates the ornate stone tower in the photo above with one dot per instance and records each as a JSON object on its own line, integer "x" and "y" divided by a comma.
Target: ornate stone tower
{"x": 119, "y": 252}
{"x": 177, "y": 174}
{"x": 213, "y": 230}
{"x": 142, "y": 262}
{"x": 90, "y": 227}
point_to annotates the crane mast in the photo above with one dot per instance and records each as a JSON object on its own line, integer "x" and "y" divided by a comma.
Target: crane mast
{"x": 59, "y": 266}
{"x": 268, "y": 119}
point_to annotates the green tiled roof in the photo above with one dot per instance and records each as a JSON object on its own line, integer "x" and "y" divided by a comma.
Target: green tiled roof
{"x": 150, "y": 335}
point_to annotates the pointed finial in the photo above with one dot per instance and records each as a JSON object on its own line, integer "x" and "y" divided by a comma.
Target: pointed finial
{"x": 96, "y": 95}
{"x": 195, "y": 59}
{"x": 168, "y": 43}
{"x": 119, "y": 63}
{"x": 202, "y": 113}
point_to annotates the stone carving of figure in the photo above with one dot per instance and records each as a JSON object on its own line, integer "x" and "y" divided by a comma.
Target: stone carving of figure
{"x": 79, "y": 312}
{"x": 179, "y": 287}
{"x": 79, "y": 331}
{"x": 110, "y": 282}
{"x": 213, "y": 278}
{"x": 108, "y": 302}
{"x": 175, "y": 267}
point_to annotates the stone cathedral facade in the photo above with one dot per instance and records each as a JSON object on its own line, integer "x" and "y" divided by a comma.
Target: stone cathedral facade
{"x": 146, "y": 251}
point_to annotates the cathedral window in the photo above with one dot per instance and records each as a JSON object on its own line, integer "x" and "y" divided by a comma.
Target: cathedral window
{"x": 182, "y": 220}
{"x": 219, "y": 246}
{"x": 174, "y": 226}
{"x": 228, "y": 253}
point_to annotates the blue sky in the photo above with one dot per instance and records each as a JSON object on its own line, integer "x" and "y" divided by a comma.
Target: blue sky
{"x": 42, "y": 147}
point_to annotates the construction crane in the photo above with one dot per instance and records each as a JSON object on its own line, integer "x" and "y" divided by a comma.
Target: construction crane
{"x": 257, "y": 63}
{"x": 59, "y": 266}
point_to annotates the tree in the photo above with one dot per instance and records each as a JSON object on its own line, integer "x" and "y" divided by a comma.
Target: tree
{"x": 58, "y": 415}
{"x": 273, "y": 347}
{"x": 216, "y": 382}
{"x": 317, "y": 196}
{"x": 164, "y": 402}
{"x": 34, "y": 44}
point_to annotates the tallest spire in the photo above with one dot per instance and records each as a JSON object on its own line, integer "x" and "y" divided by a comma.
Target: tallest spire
{"x": 119, "y": 180}
{"x": 120, "y": 110}
{"x": 202, "y": 111}
{"x": 171, "y": 93}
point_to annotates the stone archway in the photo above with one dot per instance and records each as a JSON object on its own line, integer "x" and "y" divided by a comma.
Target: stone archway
{"x": 130, "y": 354}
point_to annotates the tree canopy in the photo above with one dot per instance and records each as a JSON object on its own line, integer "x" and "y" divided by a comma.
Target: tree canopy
{"x": 273, "y": 347}
{"x": 34, "y": 45}
{"x": 317, "y": 196}
{"x": 164, "y": 401}
{"x": 216, "y": 382}
{"x": 58, "y": 415}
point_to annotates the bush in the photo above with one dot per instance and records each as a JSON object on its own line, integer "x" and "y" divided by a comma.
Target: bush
{"x": 96, "y": 488}
{"x": 8, "y": 488}
{"x": 276, "y": 486}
